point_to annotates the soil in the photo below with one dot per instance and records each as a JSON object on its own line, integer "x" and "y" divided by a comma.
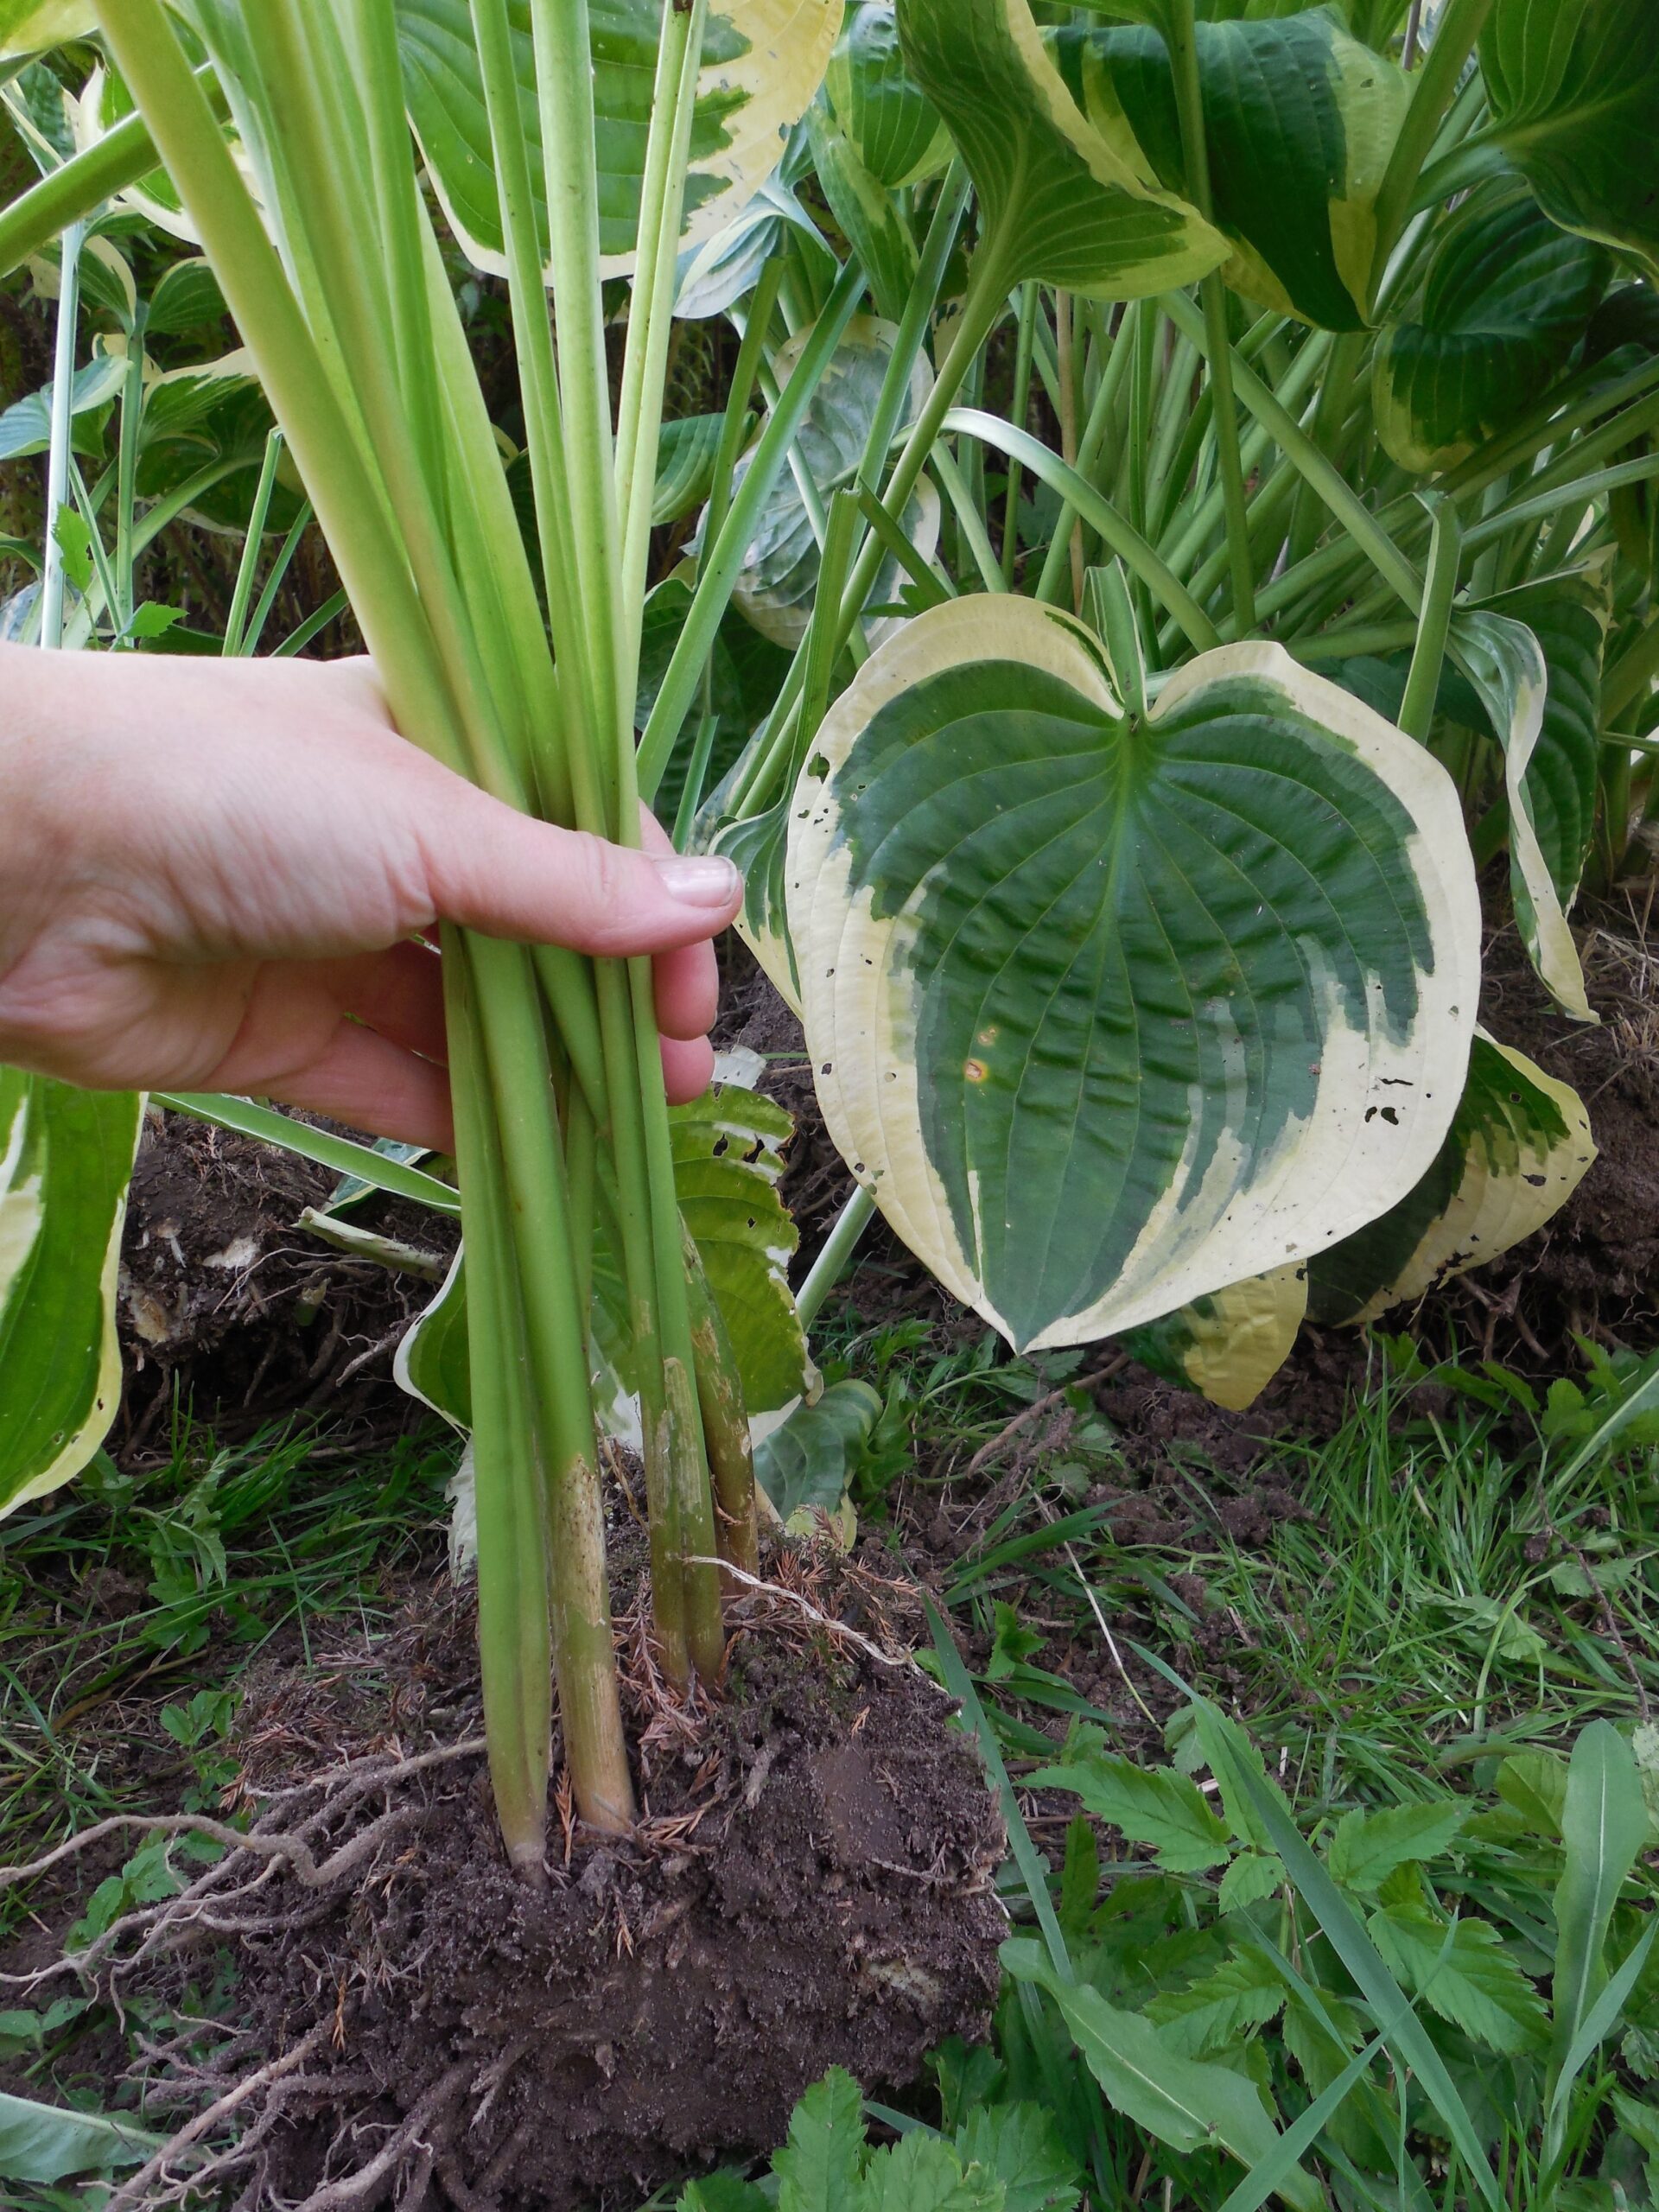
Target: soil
{"x": 812, "y": 1886}
{"x": 228, "y": 1308}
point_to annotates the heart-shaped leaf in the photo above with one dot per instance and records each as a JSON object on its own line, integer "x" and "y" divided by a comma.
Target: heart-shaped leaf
{"x": 763, "y": 61}
{"x": 1505, "y": 298}
{"x": 1574, "y": 89}
{"x": 1301, "y": 119}
{"x": 66, "y": 1158}
{"x": 1111, "y": 1012}
{"x": 1059, "y": 199}
{"x": 893, "y": 128}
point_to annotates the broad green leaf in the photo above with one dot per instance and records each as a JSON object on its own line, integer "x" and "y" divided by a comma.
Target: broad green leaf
{"x": 1230, "y": 1343}
{"x": 1503, "y": 660}
{"x": 1059, "y": 200}
{"x": 1187, "y": 2103}
{"x": 1518, "y": 1147}
{"x": 1505, "y": 298}
{"x": 28, "y": 26}
{"x": 1301, "y": 119}
{"x": 1107, "y": 1013}
{"x": 763, "y": 61}
{"x": 1534, "y": 1783}
{"x": 66, "y": 1158}
{"x": 1368, "y": 1846}
{"x": 803, "y": 1463}
{"x": 1473, "y": 1984}
{"x": 724, "y": 2192}
{"x": 1253, "y": 1876}
{"x": 1019, "y": 2146}
{"x": 685, "y": 465}
{"x": 1604, "y": 1826}
{"x": 432, "y": 1361}
{"x": 779, "y": 576}
{"x": 892, "y": 125}
{"x": 1364, "y": 2125}
{"x": 48, "y": 2142}
{"x": 821, "y": 2167}
{"x": 715, "y": 276}
{"x": 187, "y": 297}
{"x": 1151, "y": 1805}
{"x": 1574, "y": 89}
{"x": 759, "y": 847}
{"x": 1212, "y": 2016}
{"x": 923, "y": 2173}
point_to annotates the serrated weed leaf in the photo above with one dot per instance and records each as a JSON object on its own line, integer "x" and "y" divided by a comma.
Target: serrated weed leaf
{"x": 1151, "y": 1806}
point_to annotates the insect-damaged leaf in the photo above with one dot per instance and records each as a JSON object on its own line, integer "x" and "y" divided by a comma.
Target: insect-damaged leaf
{"x": 1110, "y": 1013}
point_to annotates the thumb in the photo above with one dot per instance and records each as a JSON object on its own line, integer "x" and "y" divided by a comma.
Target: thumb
{"x": 495, "y": 870}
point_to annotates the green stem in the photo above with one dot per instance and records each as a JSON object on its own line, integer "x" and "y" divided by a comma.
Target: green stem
{"x": 1019, "y": 408}
{"x": 62, "y": 436}
{"x": 1416, "y": 714}
{"x": 833, "y": 1260}
{"x": 252, "y": 545}
{"x": 1455, "y": 35}
{"x": 725, "y": 1419}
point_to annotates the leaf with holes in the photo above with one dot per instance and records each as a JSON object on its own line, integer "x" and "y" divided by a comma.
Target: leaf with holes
{"x": 1299, "y": 119}
{"x": 1111, "y": 1012}
{"x": 66, "y": 1158}
{"x": 763, "y": 61}
{"x": 1518, "y": 1147}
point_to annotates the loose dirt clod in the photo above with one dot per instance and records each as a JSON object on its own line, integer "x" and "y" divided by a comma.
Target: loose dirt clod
{"x": 810, "y": 1886}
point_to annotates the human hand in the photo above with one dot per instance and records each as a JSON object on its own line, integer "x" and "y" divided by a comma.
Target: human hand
{"x": 206, "y": 866}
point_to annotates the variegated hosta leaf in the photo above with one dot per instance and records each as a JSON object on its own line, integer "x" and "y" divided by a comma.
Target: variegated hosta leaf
{"x": 1110, "y": 1014}
{"x": 779, "y": 575}
{"x": 803, "y": 1465}
{"x": 723, "y": 270}
{"x": 1568, "y": 616}
{"x": 105, "y": 101}
{"x": 727, "y": 1161}
{"x": 29, "y": 26}
{"x": 1502, "y": 660}
{"x": 1517, "y": 1149}
{"x": 1505, "y": 299}
{"x": 763, "y": 61}
{"x": 893, "y": 126}
{"x": 759, "y": 849}
{"x": 66, "y": 1158}
{"x": 1228, "y": 1345}
{"x": 1301, "y": 119}
{"x": 867, "y": 211}
{"x": 1573, "y": 90}
{"x": 1059, "y": 200}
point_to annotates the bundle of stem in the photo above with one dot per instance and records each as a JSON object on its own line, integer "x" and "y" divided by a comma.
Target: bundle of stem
{"x": 560, "y": 1117}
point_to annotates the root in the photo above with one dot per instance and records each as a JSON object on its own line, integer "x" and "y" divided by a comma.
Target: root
{"x": 335, "y": 2196}
{"x": 131, "y": 2192}
{"x": 837, "y": 1630}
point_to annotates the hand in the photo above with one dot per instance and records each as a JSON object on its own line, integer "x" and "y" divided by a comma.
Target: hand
{"x": 212, "y": 874}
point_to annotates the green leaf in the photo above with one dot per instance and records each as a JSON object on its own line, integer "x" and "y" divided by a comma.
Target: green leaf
{"x": 1230, "y": 1343}
{"x": 896, "y": 131}
{"x": 804, "y": 1464}
{"x": 1020, "y": 2147}
{"x": 1535, "y": 1784}
{"x": 1368, "y": 1846}
{"x": 65, "y": 1157}
{"x": 723, "y": 2192}
{"x": 1253, "y": 1876}
{"x": 821, "y": 2167}
{"x": 432, "y": 1362}
{"x": 1574, "y": 89}
{"x": 779, "y": 577}
{"x": 1212, "y": 2016}
{"x": 186, "y": 297}
{"x": 1186, "y": 2103}
{"x": 763, "y": 61}
{"x": 1604, "y": 1826}
{"x": 759, "y": 849}
{"x": 1059, "y": 200}
{"x": 1517, "y": 1149}
{"x": 867, "y": 212}
{"x": 1301, "y": 119}
{"x": 1503, "y": 660}
{"x": 1151, "y": 1805}
{"x": 26, "y": 426}
{"x": 46, "y": 2142}
{"x": 27, "y": 26}
{"x": 923, "y": 2173}
{"x": 1056, "y": 970}
{"x": 1505, "y": 297}
{"x": 1474, "y": 1984}
{"x": 685, "y": 465}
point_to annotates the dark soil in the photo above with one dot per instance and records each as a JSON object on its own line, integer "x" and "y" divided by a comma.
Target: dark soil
{"x": 811, "y": 1886}
{"x": 228, "y": 1308}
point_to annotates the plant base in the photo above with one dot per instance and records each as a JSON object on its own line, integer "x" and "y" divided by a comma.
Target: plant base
{"x": 812, "y": 1886}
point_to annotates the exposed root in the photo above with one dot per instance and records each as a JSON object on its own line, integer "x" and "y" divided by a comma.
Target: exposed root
{"x": 135, "y": 2191}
